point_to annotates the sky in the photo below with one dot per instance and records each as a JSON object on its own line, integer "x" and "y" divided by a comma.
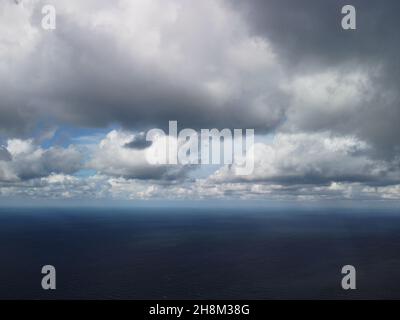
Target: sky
{"x": 77, "y": 101}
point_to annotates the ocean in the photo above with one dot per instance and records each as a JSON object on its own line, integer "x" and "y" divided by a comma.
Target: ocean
{"x": 203, "y": 253}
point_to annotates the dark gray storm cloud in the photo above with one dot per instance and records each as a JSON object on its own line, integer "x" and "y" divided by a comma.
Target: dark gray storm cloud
{"x": 139, "y": 142}
{"x": 5, "y": 155}
{"x": 174, "y": 66}
{"x": 307, "y": 34}
{"x": 309, "y": 31}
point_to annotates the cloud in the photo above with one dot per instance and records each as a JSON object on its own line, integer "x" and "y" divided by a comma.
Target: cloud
{"x": 25, "y": 160}
{"x": 309, "y": 33}
{"x": 115, "y": 157}
{"x": 318, "y": 159}
{"x": 312, "y": 47}
{"x": 329, "y": 97}
{"x": 58, "y": 186}
{"x": 98, "y": 187}
{"x": 139, "y": 142}
{"x": 4, "y": 154}
{"x": 162, "y": 63}
{"x": 138, "y": 63}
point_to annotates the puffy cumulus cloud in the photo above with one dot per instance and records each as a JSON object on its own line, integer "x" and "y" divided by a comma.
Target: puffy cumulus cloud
{"x": 115, "y": 156}
{"x": 23, "y": 160}
{"x": 289, "y": 167}
{"x": 295, "y": 159}
{"x": 139, "y": 63}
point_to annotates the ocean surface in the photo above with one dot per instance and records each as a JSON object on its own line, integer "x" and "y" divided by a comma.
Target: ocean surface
{"x": 187, "y": 253}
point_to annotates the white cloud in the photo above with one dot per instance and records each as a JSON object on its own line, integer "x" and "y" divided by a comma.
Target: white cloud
{"x": 28, "y": 161}
{"x": 114, "y": 157}
{"x": 312, "y": 159}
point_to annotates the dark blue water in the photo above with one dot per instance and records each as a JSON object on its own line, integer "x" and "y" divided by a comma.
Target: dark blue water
{"x": 199, "y": 253}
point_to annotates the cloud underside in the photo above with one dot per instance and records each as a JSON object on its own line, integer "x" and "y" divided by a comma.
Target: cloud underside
{"x": 324, "y": 102}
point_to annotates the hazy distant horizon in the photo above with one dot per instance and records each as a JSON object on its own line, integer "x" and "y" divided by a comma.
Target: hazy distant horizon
{"x": 202, "y": 204}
